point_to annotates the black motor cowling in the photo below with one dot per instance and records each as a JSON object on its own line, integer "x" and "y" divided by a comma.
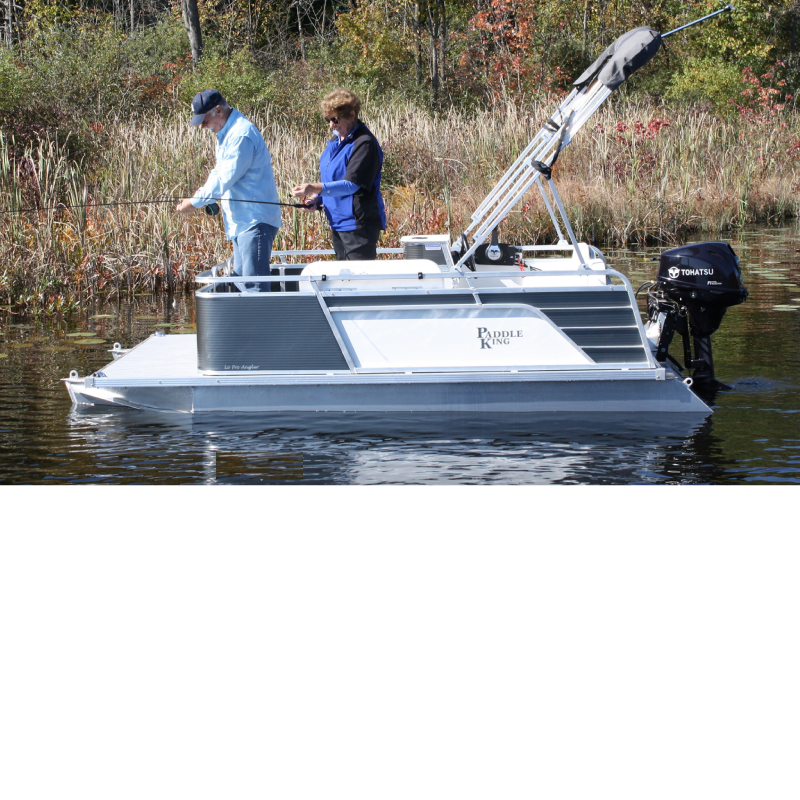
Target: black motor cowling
{"x": 699, "y": 282}
{"x": 705, "y": 279}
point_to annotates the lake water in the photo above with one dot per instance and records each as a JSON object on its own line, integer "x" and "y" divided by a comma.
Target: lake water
{"x": 753, "y": 436}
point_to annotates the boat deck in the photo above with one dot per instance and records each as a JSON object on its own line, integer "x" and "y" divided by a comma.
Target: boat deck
{"x": 156, "y": 358}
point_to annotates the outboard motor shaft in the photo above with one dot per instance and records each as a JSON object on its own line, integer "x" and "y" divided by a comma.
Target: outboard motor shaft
{"x": 696, "y": 285}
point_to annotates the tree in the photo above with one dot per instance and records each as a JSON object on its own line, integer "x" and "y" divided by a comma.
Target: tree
{"x": 191, "y": 18}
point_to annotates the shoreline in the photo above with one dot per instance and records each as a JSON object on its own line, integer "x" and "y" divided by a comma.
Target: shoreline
{"x": 638, "y": 173}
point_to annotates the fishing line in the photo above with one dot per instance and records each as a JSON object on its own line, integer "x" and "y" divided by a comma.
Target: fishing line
{"x": 148, "y": 202}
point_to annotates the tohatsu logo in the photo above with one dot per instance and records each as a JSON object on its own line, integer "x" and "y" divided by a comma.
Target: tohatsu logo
{"x": 489, "y": 338}
{"x": 675, "y": 272}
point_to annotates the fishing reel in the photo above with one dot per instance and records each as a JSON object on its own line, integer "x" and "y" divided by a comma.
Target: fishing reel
{"x": 212, "y": 209}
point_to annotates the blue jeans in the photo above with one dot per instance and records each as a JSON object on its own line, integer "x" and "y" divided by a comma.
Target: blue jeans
{"x": 251, "y": 253}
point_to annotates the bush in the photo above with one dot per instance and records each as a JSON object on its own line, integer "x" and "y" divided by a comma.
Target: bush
{"x": 14, "y": 81}
{"x": 237, "y": 77}
{"x": 707, "y": 80}
{"x": 371, "y": 48}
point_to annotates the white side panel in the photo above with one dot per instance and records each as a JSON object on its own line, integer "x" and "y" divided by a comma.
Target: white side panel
{"x": 347, "y": 270}
{"x": 484, "y": 336}
{"x": 568, "y": 262}
{"x": 531, "y": 281}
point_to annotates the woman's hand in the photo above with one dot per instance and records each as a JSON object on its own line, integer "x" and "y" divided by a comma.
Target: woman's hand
{"x": 304, "y": 189}
{"x": 313, "y": 203}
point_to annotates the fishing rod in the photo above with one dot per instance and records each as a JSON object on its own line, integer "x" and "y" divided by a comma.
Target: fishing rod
{"x": 728, "y": 7}
{"x": 211, "y": 208}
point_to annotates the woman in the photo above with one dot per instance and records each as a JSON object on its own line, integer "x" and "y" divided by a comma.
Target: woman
{"x": 350, "y": 179}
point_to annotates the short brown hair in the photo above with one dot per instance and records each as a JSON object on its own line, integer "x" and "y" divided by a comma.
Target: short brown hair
{"x": 341, "y": 103}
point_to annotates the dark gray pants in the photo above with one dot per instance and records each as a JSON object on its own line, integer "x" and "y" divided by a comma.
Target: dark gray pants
{"x": 358, "y": 245}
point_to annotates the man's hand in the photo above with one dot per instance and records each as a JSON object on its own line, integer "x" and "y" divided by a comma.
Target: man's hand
{"x": 185, "y": 207}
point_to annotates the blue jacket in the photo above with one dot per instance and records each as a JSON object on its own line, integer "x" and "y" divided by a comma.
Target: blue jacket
{"x": 350, "y": 172}
{"x": 243, "y": 172}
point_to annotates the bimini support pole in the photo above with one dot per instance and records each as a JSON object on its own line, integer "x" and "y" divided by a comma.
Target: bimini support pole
{"x": 533, "y": 150}
{"x": 616, "y": 64}
{"x": 543, "y": 149}
{"x": 561, "y": 239}
{"x": 556, "y": 133}
{"x": 547, "y": 174}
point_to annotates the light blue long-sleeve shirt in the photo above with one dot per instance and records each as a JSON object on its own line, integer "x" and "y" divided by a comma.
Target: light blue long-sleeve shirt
{"x": 243, "y": 172}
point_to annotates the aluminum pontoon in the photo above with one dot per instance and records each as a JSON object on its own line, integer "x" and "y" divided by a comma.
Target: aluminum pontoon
{"x": 445, "y": 326}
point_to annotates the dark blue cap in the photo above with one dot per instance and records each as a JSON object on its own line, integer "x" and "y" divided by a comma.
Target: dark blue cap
{"x": 203, "y": 102}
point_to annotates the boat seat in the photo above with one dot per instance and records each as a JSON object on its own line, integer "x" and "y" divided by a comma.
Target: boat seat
{"x": 570, "y": 262}
{"x": 413, "y": 267}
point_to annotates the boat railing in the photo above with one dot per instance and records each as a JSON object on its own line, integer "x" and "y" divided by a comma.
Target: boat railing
{"x": 284, "y": 254}
{"x": 220, "y": 270}
{"x": 206, "y": 278}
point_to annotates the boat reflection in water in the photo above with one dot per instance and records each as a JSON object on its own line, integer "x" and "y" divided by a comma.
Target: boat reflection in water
{"x": 130, "y": 446}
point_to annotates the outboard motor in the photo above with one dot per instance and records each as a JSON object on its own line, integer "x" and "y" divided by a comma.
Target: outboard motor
{"x": 696, "y": 285}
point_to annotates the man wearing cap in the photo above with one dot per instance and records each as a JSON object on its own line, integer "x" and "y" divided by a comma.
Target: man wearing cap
{"x": 243, "y": 182}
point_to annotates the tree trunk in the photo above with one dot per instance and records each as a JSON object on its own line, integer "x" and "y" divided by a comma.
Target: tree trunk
{"x": 300, "y": 33}
{"x": 191, "y": 18}
{"x": 434, "y": 31}
{"x": 443, "y": 45}
{"x": 418, "y": 41}
{"x": 586, "y": 27}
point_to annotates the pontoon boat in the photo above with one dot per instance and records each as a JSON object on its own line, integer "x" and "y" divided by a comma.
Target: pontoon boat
{"x": 448, "y": 326}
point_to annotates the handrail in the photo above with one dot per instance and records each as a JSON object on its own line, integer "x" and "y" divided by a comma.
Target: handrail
{"x": 413, "y": 276}
{"x": 328, "y": 252}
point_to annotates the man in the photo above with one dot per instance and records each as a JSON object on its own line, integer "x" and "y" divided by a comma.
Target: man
{"x": 243, "y": 172}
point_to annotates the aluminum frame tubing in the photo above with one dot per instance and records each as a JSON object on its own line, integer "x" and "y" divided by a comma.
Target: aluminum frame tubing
{"x": 595, "y": 96}
{"x": 500, "y": 212}
{"x": 549, "y": 208}
{"x": 585, "y": 105}
{"x": 526, "y": 152}
{"x": 565, "y": 219}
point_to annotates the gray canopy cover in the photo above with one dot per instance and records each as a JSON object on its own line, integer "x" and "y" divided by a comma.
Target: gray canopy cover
{"x": 622, "y": 58}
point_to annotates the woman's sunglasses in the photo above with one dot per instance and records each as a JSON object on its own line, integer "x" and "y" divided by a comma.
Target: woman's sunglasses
{"x": 334, "y": 120}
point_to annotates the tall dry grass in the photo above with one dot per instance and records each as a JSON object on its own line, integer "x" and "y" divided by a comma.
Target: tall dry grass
{"x": 635, "y": 173}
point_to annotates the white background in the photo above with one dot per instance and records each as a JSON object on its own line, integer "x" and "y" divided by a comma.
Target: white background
{"x": 468, "y": 642}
